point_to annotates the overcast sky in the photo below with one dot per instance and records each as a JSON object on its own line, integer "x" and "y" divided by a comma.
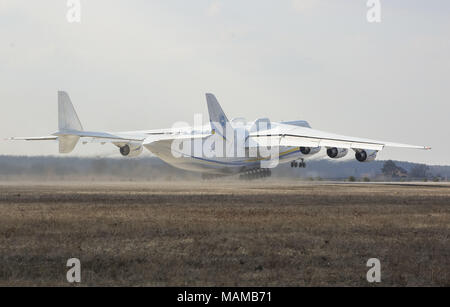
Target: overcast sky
{"x": 140, "y": 64}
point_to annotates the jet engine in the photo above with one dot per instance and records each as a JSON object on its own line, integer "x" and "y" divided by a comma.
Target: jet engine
{"x": 131, "y": 150}
{"x": 309, "y": 150}
{"x": 336, "y": 153}
{"x": 366, "y": 155}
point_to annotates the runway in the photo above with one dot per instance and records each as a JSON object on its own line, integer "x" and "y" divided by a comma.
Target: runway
{"x": 224, "y": 233}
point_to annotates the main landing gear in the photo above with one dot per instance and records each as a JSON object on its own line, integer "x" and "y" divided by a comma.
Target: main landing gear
{"x": 298, "y": 164}
{"x": 256, "y": 174}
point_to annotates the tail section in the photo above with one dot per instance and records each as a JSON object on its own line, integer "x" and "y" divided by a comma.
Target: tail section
{"x": 67, "y": 117}
{"x": 67, "y": 143}
{"x": 216, "y": 114}
{"x": 218, "y": 119}
{"x": 67, "y": 121}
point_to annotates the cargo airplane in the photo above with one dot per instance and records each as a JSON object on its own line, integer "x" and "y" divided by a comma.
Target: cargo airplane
{"x": 288, "y": 142}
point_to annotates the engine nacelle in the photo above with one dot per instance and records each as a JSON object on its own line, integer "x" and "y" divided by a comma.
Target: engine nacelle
{"x": 309, "y": 150}
{"x": 131, "y": 150}
{"x": 366, "y": 155}
{"x": 336, "y": 153}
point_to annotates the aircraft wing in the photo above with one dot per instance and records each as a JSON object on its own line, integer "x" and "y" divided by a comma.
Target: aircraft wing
{"x": 145, "y": 138}
{"x": 289, "y": 135}
{"x": 86, "y": 136}
{"x": 34, "y": 138}
{"x": 171, "y": 137}
{"x": 69, "y": 138}
{"x": 102, "y": 136}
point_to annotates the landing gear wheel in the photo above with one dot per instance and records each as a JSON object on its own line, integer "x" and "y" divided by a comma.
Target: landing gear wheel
{"x": 301, "y": 164}
{"x": 255, "y": 174}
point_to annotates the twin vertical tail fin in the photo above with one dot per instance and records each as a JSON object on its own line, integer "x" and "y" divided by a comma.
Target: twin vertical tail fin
{"x": 216, "y": 113}
{"x": 67, "y": 117}
{"x": 68, "y": 122}
{"x": 218, "y": 119}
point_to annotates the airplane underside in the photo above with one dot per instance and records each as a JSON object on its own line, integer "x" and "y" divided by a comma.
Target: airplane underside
{"x": 225, "y": 165}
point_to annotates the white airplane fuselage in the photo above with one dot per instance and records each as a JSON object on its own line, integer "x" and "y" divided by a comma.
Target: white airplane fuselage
{"x": 223, "y": 164}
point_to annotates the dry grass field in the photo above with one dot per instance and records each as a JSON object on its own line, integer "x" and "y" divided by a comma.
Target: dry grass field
{"x": 266, "y": 233}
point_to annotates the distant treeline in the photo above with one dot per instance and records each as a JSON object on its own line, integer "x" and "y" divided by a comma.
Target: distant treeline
{"x": 71, "y": 168}
{"x": 376, "y": 170}
{"x": 150, "y": 168}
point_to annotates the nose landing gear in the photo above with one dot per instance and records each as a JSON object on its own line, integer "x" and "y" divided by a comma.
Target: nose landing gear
{"x": 301, "y": 164}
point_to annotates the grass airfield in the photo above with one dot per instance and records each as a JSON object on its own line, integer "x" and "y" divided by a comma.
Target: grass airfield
{"x": 224, "y": 233}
